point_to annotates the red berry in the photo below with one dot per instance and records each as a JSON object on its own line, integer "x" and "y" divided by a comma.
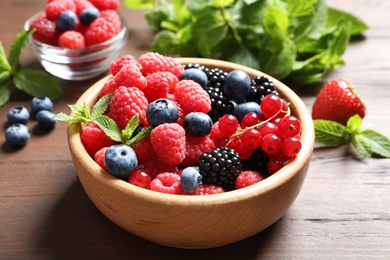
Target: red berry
{"x": 144, "y": 150}
{"x": 81, "y": 5}
{"x": 195, "y": 146}
{"x": 267, "y": 128}
{"x": 154, "y": 167}
{"x": 247, "y": 178}
{"x": 237, "y": 145}
{"x": 271, "y": 105}
{"x": 116, "y": 66}
{"x": 288, "y": 126}
{"x": 169, "y": 142}
{"x": 159, "y": 84}
{"x": 274, "y": 166}
{"x": 228, "y": 125}
{"x": 250, "y": 119}
{"x": 140, "y": 178}
{"x": 113, "y": 17}
{"x": 71, "y": 40}
{"x": 208, "y": 189}
{"x": 251, "y": 139}
{"x": 152, "y": 62}
{"x": 56, "y": 7}
{"x": 100, "y": 30}
{"x": 105, "y": 4}
{"x": 271, "y": 144}
{"x": 291, "y": 146}
{"x": 192, "y": 97}
{"x": 45, "y": 30}
{"x": 94, "y": 139}
{"x": 99, "y": 158}
{"x": 167, "y": 182}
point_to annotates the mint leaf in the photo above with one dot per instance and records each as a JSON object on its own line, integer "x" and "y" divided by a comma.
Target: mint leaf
{"x": 4, "y": 64}
{"x": 101, "y": 105}
{"x": 369, "y": 143}
{"x": 70, "y": 119}
{"x": 16, "y": 49}
{"x": 354, "y": 123}
{"x": 109, "y": 127}
{"x": 330, "y": 133}
{"x": 139, "y": 4}
{"x": 222, "y": 3}
{"x": 5, "y": 91}
{"x": 37, "y": 83}
{"x": 145, "y": 132}
{"x": 335, "y": 15}
{"x": 127, "y": 133}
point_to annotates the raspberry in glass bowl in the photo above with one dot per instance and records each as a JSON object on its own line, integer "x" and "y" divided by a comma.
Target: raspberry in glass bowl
{"x": 205, "y": 217}
{"x": 73, "y": 50}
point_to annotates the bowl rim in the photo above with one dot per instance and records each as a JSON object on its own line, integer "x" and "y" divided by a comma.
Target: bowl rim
{"x": 270, "y": 183}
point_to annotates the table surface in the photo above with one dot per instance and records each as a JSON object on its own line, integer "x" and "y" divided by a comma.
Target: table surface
{"x": 342, "y": 212}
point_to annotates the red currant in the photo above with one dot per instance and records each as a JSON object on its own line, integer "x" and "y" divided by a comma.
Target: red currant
{"x": 274, "y": 166}
{"x": 242, "y": 151}
{"x": 288, "y": 126}
{"x": 228, "y": 124}
{"x": 291, "y": 146}
{"x": 279, "y": 157}
{"x": 251, "y": 139}
{"x": 250, "y": 119}
{"x": 271, "y": 144}
{"x": 271, "y": 105}
{"x": 267, "y": 128}
{"x": 140, "y": 178}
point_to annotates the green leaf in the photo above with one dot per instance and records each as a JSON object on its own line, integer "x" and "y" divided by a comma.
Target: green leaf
{"x": 139, "y": 4}
{"x": 222, "y": 3}
{"x": 101, "y": 105}
{"x": 16, "y": 49}
{"x": 335, "y": 15}
{"x": 81, "y": 111}
{"x": 5, "y": 91}
{"x": 369, "y": 143}
{"x": 330, "y": 133}
{"x": 354, "y": 123}
{"x": 109, "y": 127}
{"x": 145, "y": 132}
{"x": 70, "y": 119}
{"x": 276, "y": 22}
{"x": 37, "y": 83}
{"x": 4, "y": 64}
{"x": 127, "y": 133}
{"x": 165, "y": 43}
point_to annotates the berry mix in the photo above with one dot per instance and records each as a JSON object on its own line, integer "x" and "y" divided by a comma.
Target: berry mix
{"x": 77, "y": 23}
{"x": 192, "y": 129}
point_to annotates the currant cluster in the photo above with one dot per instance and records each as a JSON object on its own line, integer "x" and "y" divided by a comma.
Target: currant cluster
{"x": 275, "y": 132}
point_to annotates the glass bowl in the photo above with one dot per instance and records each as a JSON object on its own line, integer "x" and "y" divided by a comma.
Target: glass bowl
{"x": 78, "y": 64}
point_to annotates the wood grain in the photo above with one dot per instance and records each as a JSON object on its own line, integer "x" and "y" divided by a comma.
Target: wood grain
{"x": 342, "y": 212}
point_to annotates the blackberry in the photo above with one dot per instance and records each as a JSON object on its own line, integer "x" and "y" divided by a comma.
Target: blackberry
{"x": 260, "y": 87}
{"x": 220, "y": 166}
{"x": 257, "y": 162}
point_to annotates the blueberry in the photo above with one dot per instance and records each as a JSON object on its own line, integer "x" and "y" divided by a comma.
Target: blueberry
{"x": 18, "y": 114}
{"x": 67, "y": 20}
{"x": 17, "y": 135}
{"x": 161, "y": 111}
{"x": 120, "y": 160}
{"x": 244, "y": 108}
{"x": 237, "y": 85}
{"x": 196, "y": 75}
{"x": 197, "y": 124}
{"x": 41, "y": 103}
{"x": 46, "y": 119}
{"x": 89, "y": 15}
{"x": 190, "y": 179}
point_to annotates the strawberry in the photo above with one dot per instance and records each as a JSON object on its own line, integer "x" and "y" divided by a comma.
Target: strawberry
{"x": 337, "y": 101}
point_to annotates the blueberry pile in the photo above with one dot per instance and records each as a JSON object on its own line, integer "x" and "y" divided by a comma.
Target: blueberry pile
{"x": 17, "y": 133}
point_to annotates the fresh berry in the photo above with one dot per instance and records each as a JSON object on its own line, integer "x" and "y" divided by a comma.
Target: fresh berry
{"x": 195, "y": 146}
{"x": 106, "y": 4}
{"x": 242, "y": 109}
{"x": 250, "y": 119}
{"x": 236, "y": 144}
{"x": 167, "y": 182}
{"x": 45, "y": 30}
{"x": 208, "y": 189}
{"x": 220, "y": 166}
{"x": 271, "y": 105}
{"x": 161, "y": 111}
{"x": 100, "y": 30}
{"x": 154, "y": 167}
{"x": 94, "y": 139}
{"x": 190, "y": 179}
{"x": 274, "y": 166}
{"x": 227, "y": 125}
{"x": 127, "y": 102}
{"x": 288, "y": 126}
{"x": 144, "y": 150}
{"x": 197, "y": 124}
{"x": 168, "y": 141}
{"x": 291, "y": 146}
{"x": 120, "y": 161}
{"x": 160, "y": 85}
{"x": 196, "y": 75}
{"x": 140, "y": 178}
{"x": 41, "y": 103}
{"x": 338, "y": 101}
{"x": 112, "y": 17}
{"x": 99, "y": 158}
{"x": 271, "y": 144}
{"x": 192, "y": 97}
{"x": 261, "y": 86}
{"x": 248, "y": 178}
{"x": 257, "y": 162}
{"x": 117, "y": 65}
{"x": 81, "y": 5}
{"x": 152, "y": 62}
{"x": 18, "y": 115}
{"x": 55, "y": 8}
{"x": 129, "y": 76}
{"x": 89, "y": 15}
{"x": 71, "y": 40}
{"x": 67, "y": 21}
{"x": 220, "y": 104}
{"x": 267, "y": 128}
{"x": 46, "y": 119}
{"x": 251, "y": 139}
{"x": 237, "y": 85}
{"x": 17, "y": 135}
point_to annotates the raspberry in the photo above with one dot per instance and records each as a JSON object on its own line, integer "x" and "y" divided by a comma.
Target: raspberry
{"x": 153, "y": 62}
{"x": 192, "y": 97}
{"x": 94, "y": 139}
{"x": 144, "y": 150}
{"x": 128, "y": 76}
{"x": 247, "y": 178}
{"x": 207, "y": 189}
{"x": 126, "y": 103}
{"x": 195, "y": 146}
{"x": 99, "y": 158}
{"x": 71, "y": 40}
{"x": 168, "y": 141}
{"x": 113, "y": 18}
{"x": 116, "y": 66}
{"x": 45, "y": 30}
{"x": 81, "y": 5}
{"x": 99, "y": 31}
{"x": 140, "y": 178}
{"x": 167, "y": 182}
{"x": 105, "y": 4}
{"x": 180, "y": 110}
{"x": 154, "y": 167}
{"x": 159, "y": 84}
{"x": 55, "y": 8}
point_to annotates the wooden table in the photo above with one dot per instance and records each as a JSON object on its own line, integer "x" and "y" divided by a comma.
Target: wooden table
{"x": 342, "y": 212}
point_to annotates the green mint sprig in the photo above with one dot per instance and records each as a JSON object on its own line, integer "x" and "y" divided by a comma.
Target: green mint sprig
{"x": 367, "y": 142}
{"x": 83, "y": 114}
{"x": 298, "y": 40}
{"x": 33, "y": 82}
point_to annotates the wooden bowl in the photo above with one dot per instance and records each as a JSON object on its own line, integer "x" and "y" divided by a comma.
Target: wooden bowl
{"x": 196, "y": 221}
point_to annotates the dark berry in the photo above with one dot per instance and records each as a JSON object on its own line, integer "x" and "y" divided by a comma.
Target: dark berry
{"x": 197, "y": 124}
{"x": 190, "y": 180}
{"x": 41, "y": 103}
{"x": 89, "y": 15}
{"x": 120, "y": 161}
{"x": 244, "y": 108}
{"x": 196, "y": 75}
{"x": 67, "y": 20}
{"x": 258, "y": 162}
{"x": 17, "y": 135}
{"x": 18, "y": 114}
{"x": 46, "y": 119}
{"x": 237, "y": 85}
{"x": 260, "y": 87}
{"x": 161, "y": 111}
